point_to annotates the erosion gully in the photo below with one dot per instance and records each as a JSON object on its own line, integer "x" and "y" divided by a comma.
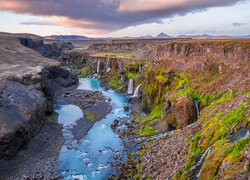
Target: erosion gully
{"x": 93, "y": 155}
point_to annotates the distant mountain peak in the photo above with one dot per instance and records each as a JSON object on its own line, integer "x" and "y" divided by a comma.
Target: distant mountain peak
{"x": 163, "y": 35}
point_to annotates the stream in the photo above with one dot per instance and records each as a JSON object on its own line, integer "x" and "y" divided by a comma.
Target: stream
{"x": 91, "y": 157}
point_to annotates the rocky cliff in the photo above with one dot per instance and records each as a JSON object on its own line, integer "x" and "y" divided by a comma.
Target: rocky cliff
{"x": 29, "y": 84}
{"x": 48, "y": 48}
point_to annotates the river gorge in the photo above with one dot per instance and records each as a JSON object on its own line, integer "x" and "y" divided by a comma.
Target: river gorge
{"x": 124, "y": 109}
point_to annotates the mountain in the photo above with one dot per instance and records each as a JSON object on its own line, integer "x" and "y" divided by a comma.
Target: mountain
{"x": 70, "y": 37}
{"x": 206, "y": 36}
{"x": 163, "y": 35}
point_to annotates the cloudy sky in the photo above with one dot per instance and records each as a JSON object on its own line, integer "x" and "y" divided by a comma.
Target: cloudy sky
{"x": 126, "y": 17}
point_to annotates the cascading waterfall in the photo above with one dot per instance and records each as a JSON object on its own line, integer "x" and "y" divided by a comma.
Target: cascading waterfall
{"x": 108, "y": 68}
{"x": 197, "y": 103}
{"x": 136, "y": 93}
{"x": 130, "y": 86}
{"x": 98, "y": 66}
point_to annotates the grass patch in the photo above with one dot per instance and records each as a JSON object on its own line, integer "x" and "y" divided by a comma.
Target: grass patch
{"x": 90, "y": 116}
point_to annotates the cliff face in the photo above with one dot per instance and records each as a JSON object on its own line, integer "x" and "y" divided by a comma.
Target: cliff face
{"x": 50, "y": 49}
{"x": 181, "y": 50}
{"x": 28, "y": 85}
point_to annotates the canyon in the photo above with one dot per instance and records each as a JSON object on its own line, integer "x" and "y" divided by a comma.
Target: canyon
{"x": 187, "y": 116}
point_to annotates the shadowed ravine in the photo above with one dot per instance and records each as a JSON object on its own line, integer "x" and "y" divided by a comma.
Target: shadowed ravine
{"x": 92, "y": 156}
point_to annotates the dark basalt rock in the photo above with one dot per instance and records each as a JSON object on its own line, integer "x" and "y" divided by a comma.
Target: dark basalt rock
{"x": 114, "y": 124}
{"x": 24, "y": 101}
{"x": 49, "y": 50}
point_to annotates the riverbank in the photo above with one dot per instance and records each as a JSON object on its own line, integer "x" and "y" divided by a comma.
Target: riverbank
{"x": 37, "y": 159}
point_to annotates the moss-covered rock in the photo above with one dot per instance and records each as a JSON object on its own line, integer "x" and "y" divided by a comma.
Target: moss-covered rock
{"x": 183, "y": 112}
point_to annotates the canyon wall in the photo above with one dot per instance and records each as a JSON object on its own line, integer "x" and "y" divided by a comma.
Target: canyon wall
{"x": 29, "y": 84}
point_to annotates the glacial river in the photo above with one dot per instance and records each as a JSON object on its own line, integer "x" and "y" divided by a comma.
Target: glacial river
{"x": 90, "y": 158}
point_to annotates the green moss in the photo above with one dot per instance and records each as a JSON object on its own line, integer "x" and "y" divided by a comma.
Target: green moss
{"x": 213, "y": 133}
{"x": 216, "y": 127}
{"x": 115, "y": 82}
{"x": 245, "y": 92}
{"x": 147, "y": 130}
{"x": 133, "y": 75}
{"x": 90, "y": 116}
{"x": 188, "y": 138}
{"x": 161, "y": 79}
{"x": 86, "y": 72}
{"x": 224, "y": 152}
{"x": 194, "y": 148}
{"x": 73, "y": 67}
{"x": 47, "y": 118}
{"x": 236, "y": 149}
{"x": 182, "y": 81}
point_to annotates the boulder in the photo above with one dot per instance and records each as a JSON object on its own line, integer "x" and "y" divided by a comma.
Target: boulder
{"x": 126, "y": 108}
{"x": 183, "y": 112}
{"x": 114, "y": 124}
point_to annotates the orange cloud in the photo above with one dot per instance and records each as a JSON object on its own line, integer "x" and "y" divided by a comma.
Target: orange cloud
{"x": 150, "y": 5}
{"x": 13, "y": 5}
{"x": 81, "y": 26}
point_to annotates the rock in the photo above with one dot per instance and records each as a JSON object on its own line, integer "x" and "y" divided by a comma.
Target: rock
{"x": 114, "y": 124}
{"x": 69, "y": 146}
{"x": 115, "y": 157}
{"x": 109, "y": 99}
{"x": 126, "y": 108}
{"x": 183, "y": 112}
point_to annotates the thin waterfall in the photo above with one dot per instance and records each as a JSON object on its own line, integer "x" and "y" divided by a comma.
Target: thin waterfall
{"x": 139, "y": 68}
{"x": 136, "y": 93}
{"x": 98, "y": 66}
{"x": 198, "y": 166}
{"x": 201, "y": 161}
{"x": 122, "y": 80}
{"x": 108, "y": 66}
{"x": 197, "y": 104}
{"x": 130, "y": 86}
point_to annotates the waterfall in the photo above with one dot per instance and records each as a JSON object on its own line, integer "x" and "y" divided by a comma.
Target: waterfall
{"x": 136, "y": 93}
{"x": 108, "y": 66}
{"x": 139, "y": 68}
{"x": 130, "y": 86}
{"x": 200, "y": 162}
{"x": 198, "y": 167}
{"x": 98, "y": 66}
{"x": 122, "y": 80}
{"x": 197, "y": 103}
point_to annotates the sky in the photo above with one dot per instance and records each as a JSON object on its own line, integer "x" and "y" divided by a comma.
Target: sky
{"x": 118, "y": 18}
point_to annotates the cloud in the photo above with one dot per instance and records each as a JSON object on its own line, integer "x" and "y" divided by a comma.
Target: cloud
{"x": 237, "y": 24}
{"x": 106, "y": 15}
{"x": 39, "y": 23}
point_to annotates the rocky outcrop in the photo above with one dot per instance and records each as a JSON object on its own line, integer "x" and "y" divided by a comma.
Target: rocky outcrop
{"x": 183, "y": 112}
{"x": 24, "y": 103}
{"x": 29, "y": 83}
{"x": 50, "y": 49}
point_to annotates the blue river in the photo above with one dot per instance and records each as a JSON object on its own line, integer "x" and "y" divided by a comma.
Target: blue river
{"x": 90, "y": 157}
